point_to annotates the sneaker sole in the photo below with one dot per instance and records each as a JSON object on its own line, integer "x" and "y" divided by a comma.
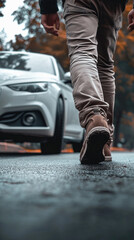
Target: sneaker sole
{"x": 96, "y": 139}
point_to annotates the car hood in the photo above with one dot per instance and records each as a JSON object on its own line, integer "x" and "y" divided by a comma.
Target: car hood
{"x": 9, "y": 76}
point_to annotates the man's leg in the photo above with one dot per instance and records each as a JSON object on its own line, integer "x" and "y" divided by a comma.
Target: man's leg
{"x": 110, "y": 22}
{"x": 82, "y": 19}
{"x": 81, "y": 27}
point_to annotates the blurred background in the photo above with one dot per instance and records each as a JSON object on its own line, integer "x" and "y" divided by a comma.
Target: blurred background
{"x": 20, "y": 30}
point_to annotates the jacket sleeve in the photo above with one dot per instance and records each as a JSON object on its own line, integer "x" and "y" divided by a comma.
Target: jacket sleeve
{"x": 48, "y": 6}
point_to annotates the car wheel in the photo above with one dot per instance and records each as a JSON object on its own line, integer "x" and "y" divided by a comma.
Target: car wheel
{"x": 54, "y": 145}
{"x": 78, "y": 145}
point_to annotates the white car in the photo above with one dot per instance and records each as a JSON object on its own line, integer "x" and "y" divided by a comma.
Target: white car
{"x": 36, "y": 103}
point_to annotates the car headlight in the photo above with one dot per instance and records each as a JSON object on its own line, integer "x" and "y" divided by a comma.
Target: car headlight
{"x": 29, "y": 87}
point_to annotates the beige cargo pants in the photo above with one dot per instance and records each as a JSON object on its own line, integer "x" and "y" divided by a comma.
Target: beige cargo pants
{"x": 92, "y": 28}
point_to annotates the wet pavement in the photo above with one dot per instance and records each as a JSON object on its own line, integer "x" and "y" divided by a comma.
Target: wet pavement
{"x": 56, "y": 198}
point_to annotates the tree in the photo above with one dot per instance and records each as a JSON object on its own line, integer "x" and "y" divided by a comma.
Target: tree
{"x": 124, "y": 64}
{"x": 2, "y": 4}
{"x": 2, "y": 43}
{"x": 37, "y": 40}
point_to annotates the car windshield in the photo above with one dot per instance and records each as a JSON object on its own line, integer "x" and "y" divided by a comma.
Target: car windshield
{"x": 27, "y": 62}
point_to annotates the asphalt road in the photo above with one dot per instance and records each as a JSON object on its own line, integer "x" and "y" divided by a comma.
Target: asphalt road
{"x": 56, "y": 198}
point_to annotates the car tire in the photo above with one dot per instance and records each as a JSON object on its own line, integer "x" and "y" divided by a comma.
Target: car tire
{"x": 54, "y": 145}
{"x": 78, "y": 145}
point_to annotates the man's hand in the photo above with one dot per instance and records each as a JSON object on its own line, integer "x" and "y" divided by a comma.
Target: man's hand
{"x": 51, "y": 23}
{"x": 131, "y": 20}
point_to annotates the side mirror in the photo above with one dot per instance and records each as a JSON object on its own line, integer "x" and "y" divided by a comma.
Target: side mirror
{"x": 67, "y": 78}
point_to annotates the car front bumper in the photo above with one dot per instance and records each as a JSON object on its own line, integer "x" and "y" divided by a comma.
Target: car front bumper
{"x": 12, "y": 102}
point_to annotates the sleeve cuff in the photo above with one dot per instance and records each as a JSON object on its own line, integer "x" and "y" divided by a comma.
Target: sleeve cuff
{"x": 48, "y": 6}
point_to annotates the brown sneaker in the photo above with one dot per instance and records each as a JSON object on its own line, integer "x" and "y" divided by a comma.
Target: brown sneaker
{"x": 97, "y": 135}
{"x": 107, "y": 152}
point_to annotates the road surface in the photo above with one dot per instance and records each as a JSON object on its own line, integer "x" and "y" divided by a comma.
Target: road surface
{"x": 56, "y": 198}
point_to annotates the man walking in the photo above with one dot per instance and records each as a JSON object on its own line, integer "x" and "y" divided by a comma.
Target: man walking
{"x": 92, "y": 29}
